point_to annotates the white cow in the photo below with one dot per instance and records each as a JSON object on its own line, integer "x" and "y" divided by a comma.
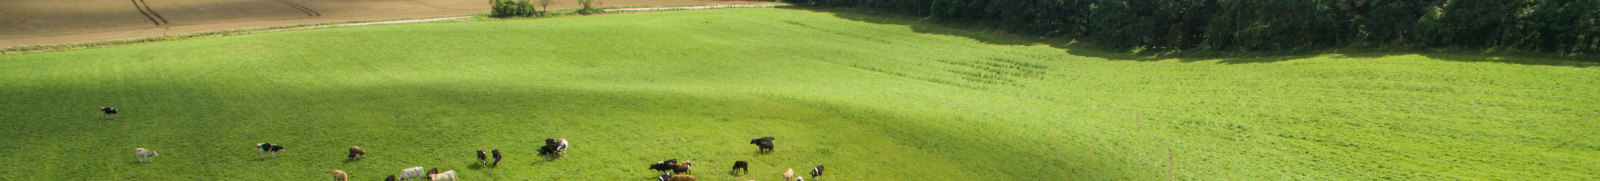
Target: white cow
{"x": 563, "y": 148}
{"x": 413, "y": 172}
{"x": 143, "y": 154}
{"x": 444, "y": 176}
{"x": 787, "y": 175}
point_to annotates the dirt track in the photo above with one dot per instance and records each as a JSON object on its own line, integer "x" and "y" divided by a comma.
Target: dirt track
{"x": 45, "y": 22}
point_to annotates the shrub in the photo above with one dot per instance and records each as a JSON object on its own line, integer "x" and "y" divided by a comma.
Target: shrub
{"x": 512, "y": 8}
{"x": 590, "y": 7}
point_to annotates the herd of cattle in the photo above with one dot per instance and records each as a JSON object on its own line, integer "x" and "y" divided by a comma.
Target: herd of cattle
{"x": 553, "y": 148}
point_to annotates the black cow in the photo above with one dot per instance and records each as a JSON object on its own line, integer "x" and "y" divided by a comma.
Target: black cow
{"x": 741, "y": 165}
{"x": 764, "y": 143}
{"x": 496, "y": 156}
{"x": 548, "y": 151}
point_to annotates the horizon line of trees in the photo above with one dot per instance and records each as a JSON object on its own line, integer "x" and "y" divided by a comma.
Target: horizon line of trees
{"x": 1567, "y": 27}
{"x": 527, "y": 8}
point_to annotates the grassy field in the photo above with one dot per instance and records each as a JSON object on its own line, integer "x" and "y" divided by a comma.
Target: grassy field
{"x": 872, "y": 98}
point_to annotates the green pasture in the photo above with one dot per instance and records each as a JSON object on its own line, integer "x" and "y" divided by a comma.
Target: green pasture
{"x": 872, "y": 98}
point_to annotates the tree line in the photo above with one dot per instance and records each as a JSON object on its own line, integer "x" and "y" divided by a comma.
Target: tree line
{"x": 1554, "y": 26}
{"x": 526, "y": 8}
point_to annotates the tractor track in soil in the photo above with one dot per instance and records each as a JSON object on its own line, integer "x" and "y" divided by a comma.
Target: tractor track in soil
{"x": 308, "y": 11}
{"x": 144, "y": 8}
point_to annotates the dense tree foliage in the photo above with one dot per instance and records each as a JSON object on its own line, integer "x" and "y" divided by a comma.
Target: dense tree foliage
{"x": 513, "y": 8}
{"x": 1558, "y": 26}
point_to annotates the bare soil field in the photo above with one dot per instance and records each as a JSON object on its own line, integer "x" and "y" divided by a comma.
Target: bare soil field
{"x": 46, "y": 22}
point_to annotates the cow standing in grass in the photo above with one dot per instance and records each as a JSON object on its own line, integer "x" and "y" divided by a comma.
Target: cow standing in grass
{"x": 817, "y": 171}
{"x": 339, "y": 175}
{"x": 763, "y": 144}
{"x": 483, "y": 158}
{"x": 681, "y": 168}
{"x": 664, "y": 166}
{"x": 356, "y": 153}
{"x": 553, "y": 148}
{"x": 496, "y": 157}
{"x": 741, "y": 165}
{"x": 670, "y": 177}
{"x": 268, "y": 148}
{"x": 412, "y": 173}
{"x": 788, "y": 174}
{"x": 144, "y": 154}
{"x": 108, "y": 111}
{"x": 443, "y": 176}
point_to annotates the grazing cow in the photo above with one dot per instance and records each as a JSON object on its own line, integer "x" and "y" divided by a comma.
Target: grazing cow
{"x": 496, "y": 157}
{"x": 411, "y": 173}
{"x": 548, "y": 151}
{"x": 338, "y": 175}
{"x": 763, "y": 144}
{"x": 677, "y": 178}
{"x": 391, "y": 178}
{"x": 144, "y": 155}
{"x": 268, "y": 148}
{"x": 788, "y": 174}
{"x": 741, "y": 165}
{"x": 483, "y": 158}
{"x": 443, "y": 176}
{"x": 553, "y": 148}
{"x": 663, "y": 166}
{"x": 681, "y": 168}
{"x": 108, "y": 111}
{"x": 817, "y": 171}
{"x": 356, "y": 153}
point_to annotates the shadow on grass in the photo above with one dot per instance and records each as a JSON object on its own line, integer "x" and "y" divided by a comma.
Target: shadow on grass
{"x": 546, "y": 160}
{"x": 921, "y": 26}
{"x": 928, "y": 26}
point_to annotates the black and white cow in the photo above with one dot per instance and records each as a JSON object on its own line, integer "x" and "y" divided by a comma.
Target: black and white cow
{"x": 817, "y": 171}
{"x": 108, "y": 111}
{"x": 268, "y": 148}
{"x": 483, "y": 158}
